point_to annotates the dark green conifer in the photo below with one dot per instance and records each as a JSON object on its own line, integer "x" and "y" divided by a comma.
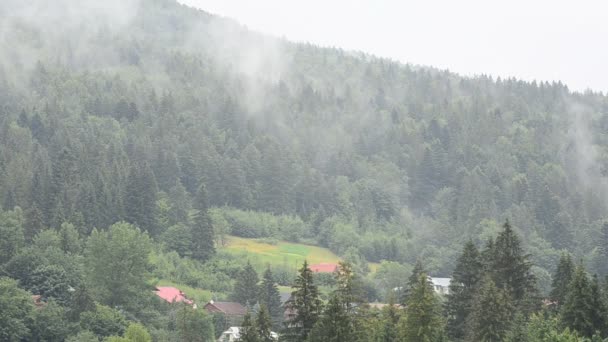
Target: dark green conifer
{"x": 423, "y": 313}
{"x": 335, "y": 325}
{"x": 140, "y": 199}
{"x": 491, "y": 316}
{"x": 246, "y": 286}
{"x": 511, "y": 268}
{"x": 203, "y": 247}
{"x": 264, "y": 325}
{"x": 576, "y": 313}
{"x": 463, "y": 288}
{"x": 248, "y": 332}
{"x": 271, "y": 298}
{"x": 303, "y": 307}
{"x": 412, "y": 281}
{"x": 562, "y": 278}
{"x": 598, "y": 307}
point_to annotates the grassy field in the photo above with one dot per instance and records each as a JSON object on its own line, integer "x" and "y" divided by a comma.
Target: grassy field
{"x": 281, "y": 253}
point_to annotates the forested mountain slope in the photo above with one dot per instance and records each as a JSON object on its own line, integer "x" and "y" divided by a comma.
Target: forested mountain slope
{"x": 119, "y": 111}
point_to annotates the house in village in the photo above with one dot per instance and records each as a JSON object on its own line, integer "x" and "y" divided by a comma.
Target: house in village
{"x": 232, "y": 311}
{"x": 441, "y": 285}
{"x": 323, "y": 267}
{"x": 233, "y": 334}
{"x": 173, "y": 295}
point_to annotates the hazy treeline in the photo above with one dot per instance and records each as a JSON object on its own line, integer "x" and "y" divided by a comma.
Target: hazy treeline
{"x": 120, "y": 111}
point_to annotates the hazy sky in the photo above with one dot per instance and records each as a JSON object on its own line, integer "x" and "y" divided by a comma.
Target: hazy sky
{"x": 533, "y": 39}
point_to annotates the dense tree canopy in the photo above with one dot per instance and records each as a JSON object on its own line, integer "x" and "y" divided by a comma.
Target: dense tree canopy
{"x": 138, "y": 136}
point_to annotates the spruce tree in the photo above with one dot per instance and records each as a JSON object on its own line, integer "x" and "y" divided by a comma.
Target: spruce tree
{"x": 490, "y": 318}
{"x": 463, "y": 288}
{"x": 248, "y": 332}
{"x": 423, "y": 321}
{"x": 577, "y": 311}
{"x": 304, "y": 306}
{"x": 412, "y": 281}
{"x": 264, "y": 325}
{"x": 246, "y": 286}
{"x": 335, "y": 324}
{"x": 140, "y": 200}
{"x": 602, "y": 250}
{"x": 348, "y": 286}
{"x": 598, "y": 306}
{"x": 511, "y": 268}
{"x": 203, "y": 247}
{"x": 390, "y": 319}
{"x": 562, "y": 278}
{"x": 271, "y": 298}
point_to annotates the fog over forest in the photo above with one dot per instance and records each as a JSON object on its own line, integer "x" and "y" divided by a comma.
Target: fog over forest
{"x": 164, "y": 134}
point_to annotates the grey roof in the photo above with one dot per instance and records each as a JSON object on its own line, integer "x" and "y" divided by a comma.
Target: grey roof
{"x": 443, "y": 282}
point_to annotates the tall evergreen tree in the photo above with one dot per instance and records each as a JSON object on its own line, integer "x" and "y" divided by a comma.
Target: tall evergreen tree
{"x": 602, "y": 267}
{"x": 412, "y": 281}
{"x": 423, "y": 322}
{"x": 577, "y": 311}
{"x": 511, "y": 268}
{"x": 203, "y": 247}
{"x": 562, "y": 278}
{"x": 271, "y": 298}
{"x": 491, "y": 316}
{"x": 246, "y": 286}
{"x": 348, "y": 286}
{"x": 335, "y": 325}
{"x": 140, "y": 199}
{"x": 249, "y": 332}
{"x": 598, "y": 307}
{"x": 264, "y": 325}
{"x": 463, "y": 288}
{"x": 304, "y": 306}
{"x": 390, "y": 318}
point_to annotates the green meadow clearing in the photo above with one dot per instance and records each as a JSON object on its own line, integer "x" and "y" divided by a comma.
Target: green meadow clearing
{"x": 282, "y": 253}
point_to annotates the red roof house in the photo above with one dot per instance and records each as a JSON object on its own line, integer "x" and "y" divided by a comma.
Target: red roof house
{"x": 323, "y": 268}
{"x": 171, "y": 295}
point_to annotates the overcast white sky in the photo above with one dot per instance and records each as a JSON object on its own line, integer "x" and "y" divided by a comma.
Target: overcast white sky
{"x": 533, "y": 39}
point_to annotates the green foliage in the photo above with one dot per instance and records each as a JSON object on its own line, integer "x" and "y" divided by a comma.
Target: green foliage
{"x": 270, "y": 298}
{"x": 491, "y": 315}
{"x": 303, "y": 307}
{"x": 178, "y": 238}
{"x": 117, "y": 261}
{"x": 562, "y": 278}
{"x": 511, "y": 268}
{"x": 16, "y": 313}
{"x": 11, "y": 234}
{"x": 249, "y": 333}
{"x": 140, "y": 200}
{"x": 246, "y": 288}
{"x": 103, "y": 321}
{"x": 193, "y": 325}
{"x": 84, "y": 336}
{"x": 423, "y": 321}
{"x": 463, "y": 289}
{"x": 51, "y": 324}
{"x": 263, "y": 325}
{"x": 137, "y": 333}
{"x": 203, "y": 245}
{"x": 335, "y": 325}
{"x": 584, "y": 310}
{"x": 349, "y": 288}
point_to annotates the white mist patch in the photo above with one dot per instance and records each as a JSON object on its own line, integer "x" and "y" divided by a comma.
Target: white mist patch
{"x": 586, "y": 154}
{"x": 38, "y": 26}
{"x": 258, "y": 60}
